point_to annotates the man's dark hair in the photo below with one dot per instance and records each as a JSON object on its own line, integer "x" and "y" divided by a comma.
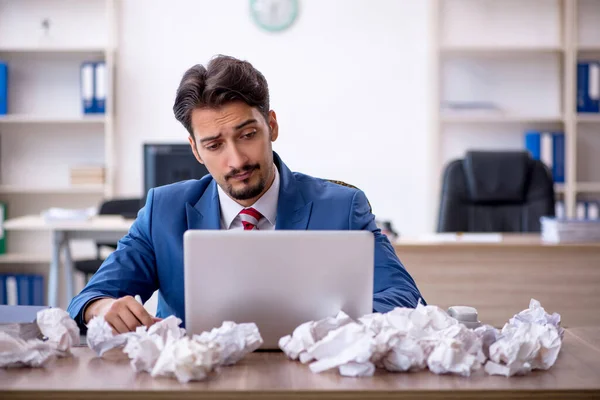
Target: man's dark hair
{"x": 223, "y": 80}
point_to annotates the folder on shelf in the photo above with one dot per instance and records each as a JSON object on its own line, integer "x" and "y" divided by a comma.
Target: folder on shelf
{"x": 588, "y": 86}
{"x": 580, "y": 210}
{"x": 2, "y": 231}
{"x": 593, "y": 210}
{"x": 12, "y": 298}
{"x": 100, "y": 87}
{"x": 559, "y": 209}
{"x": 3, "y": 293}
{"x": 22, "y": 290}
{"x": 548, "y": 147}
{"x": 87, "y": 87}
{"x": 3, "y": 88}
{"x": 558, "y": 157}
{"x": 36, "y": 289}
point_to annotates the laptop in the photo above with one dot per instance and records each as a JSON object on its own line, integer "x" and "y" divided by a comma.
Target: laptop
{"x": 276, "y": 279}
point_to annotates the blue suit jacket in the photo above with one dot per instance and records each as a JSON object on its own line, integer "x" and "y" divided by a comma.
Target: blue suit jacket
{"x": 150, "y": 256}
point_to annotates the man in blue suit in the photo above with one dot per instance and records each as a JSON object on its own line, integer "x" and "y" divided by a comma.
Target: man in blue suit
{"x": 225, "y": 109}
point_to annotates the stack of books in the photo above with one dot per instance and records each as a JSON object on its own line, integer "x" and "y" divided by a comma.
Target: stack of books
{"x": 87, "y": 175}
{"x": 556, "y": 230}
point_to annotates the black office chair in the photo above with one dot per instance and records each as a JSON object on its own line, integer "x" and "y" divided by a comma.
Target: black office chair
{"x": 127, "y": 208}
{"x": 495, "y": 191}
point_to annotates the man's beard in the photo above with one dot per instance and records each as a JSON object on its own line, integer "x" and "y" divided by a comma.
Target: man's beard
{"x": 247, "y": 192}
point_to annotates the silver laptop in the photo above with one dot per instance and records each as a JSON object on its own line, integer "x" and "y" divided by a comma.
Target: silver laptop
{"x": 277, "y": 279}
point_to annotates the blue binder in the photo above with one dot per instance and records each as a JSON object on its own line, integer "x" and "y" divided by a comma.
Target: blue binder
{"x": 87, "y": 87}
{"x": 100, "y": 87}
{"x": 588, "y": 86}
{"x": 36, "y": 290}
{"x": 558, "y": 157}
{"x": 533, "y": 144}
{"x": 3, "y": 294}
{"x": 3, "y": 88}
{"x": 23, "y": 292}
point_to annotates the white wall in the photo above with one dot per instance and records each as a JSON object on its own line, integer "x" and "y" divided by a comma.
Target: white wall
{"x": 349, "y": 82}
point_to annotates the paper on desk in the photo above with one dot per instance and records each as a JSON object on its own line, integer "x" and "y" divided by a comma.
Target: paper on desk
{"x": 60, "y": 331}
{"x": 236, "y": 340}
{"x": 295, "y": 346}
{"x": 165, "y": 350}
{"x": 56, "y": 325}
{"x": 407, "y": 339}
{"x": 524, "y": 346}
{"x": 100, "y": 337}
{"x": 66, "y": 214}
{"x": 537, "y": 315}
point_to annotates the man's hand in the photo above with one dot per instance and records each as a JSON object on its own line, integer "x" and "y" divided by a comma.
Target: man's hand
{"x": 123, "y": 315}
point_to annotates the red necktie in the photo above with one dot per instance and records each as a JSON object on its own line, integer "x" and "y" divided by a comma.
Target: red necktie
{"x": 250, "y": 218}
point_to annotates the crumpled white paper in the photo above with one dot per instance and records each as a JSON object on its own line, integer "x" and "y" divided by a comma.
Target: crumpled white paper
{"x": 60, "y": 331}
{"x": 524, "y": 347}
{"x": 407, "y": 339}
{"x": 536, "y": 314}
{"x": 236, "y": 340}
{"x": 165, "y": 350}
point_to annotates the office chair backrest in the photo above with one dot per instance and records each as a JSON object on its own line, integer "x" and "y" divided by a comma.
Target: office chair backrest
{"x": 505, "y": 191}
{"x": 127, "y": 208}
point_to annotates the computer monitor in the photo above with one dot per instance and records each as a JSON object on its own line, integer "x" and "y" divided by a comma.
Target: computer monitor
{"x": 166, "y": 163}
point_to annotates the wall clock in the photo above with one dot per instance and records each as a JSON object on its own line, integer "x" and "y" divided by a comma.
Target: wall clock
{"x": 274, "y": 15}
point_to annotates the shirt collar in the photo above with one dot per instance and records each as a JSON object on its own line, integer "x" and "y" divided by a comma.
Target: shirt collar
{"x": 266, "y": 204}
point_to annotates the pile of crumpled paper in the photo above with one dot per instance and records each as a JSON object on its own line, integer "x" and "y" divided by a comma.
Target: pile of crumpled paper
{"x": 60, "y": 333}
{"x": 165, "y": 350}
{"x": 407, "y": 339}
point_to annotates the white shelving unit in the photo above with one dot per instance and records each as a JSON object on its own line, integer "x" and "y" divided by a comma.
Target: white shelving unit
{"x": 45, "y": 132}
{"x": 521, "y": 56}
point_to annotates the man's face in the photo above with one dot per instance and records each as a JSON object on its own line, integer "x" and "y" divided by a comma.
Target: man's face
{"x": 234, "y": 143}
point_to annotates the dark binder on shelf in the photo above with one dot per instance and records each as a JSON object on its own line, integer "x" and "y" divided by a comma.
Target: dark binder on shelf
{"x": 2, "y": 231}
{"x": 548, "y": 147}
{"x": 23, "y": 292}
{"x": 100, "y": 87}
{"x": 558, "y": 157}
{"x": 36, "y": 289}
{"x": 3, "y": 88}
{"x": 87, "y": 87}
{"x": 588, "y": 86}
{"x": 3, "y": 294}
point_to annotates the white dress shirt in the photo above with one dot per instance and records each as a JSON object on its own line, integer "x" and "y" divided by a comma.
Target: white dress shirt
{"x": 266, "y": 205}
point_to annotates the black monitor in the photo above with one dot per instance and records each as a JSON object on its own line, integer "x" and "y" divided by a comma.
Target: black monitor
{"x": 166, "y": 163}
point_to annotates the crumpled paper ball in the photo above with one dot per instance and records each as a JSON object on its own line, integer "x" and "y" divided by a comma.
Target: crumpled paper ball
{"x": 60, "y": 332}
{"x": 165, "y": 350}
{"x": 236, "y": 340}
{"x": 407, "y": 339}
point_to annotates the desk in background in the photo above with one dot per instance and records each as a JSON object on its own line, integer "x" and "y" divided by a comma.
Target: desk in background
{"x": 101, "y": 229}
{"x": 575, "y": 375}
{"x": 500, "y": 277}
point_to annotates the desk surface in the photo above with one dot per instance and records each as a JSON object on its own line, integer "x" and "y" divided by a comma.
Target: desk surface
{"x": 526, "y": 240}
{"x": 98, "y": 223}
{"x": 116, "y": 223}
{"x": 576, "y": 374}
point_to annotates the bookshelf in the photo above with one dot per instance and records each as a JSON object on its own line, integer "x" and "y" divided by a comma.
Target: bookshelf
{"x": 519, "y": 56}
{"x": 45, "y": 132}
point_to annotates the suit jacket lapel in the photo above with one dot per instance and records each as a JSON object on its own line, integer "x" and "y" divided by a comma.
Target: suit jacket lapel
{"x": 293, "y": 212}
{"x": 206, "y": 213}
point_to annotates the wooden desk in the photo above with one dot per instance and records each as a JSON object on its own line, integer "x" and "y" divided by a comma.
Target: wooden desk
{"x": 576, "y": 374}
{"x": 102, "y": 228}
{"x": 500, "y": 278}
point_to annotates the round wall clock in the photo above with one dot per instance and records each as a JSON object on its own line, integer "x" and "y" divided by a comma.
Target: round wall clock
{"x": 274, "y": 15}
